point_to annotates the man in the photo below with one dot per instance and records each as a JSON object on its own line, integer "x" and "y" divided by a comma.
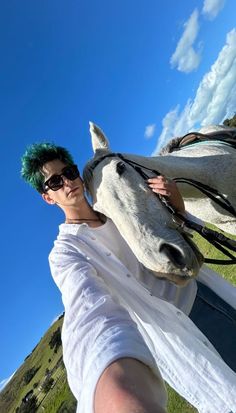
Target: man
{"x": 115, "y": 333}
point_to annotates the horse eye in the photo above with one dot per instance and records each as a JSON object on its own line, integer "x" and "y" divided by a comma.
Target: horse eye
{"x": 120, "y": 168}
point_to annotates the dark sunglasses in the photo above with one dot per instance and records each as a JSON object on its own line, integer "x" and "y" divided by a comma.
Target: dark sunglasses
{"x": 56, "y": 182}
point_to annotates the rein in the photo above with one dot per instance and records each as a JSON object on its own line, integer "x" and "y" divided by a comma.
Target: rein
{"x": 217, "y": 239}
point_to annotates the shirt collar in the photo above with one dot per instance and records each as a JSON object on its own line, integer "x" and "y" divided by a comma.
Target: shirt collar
{"x": 73, "y": 229}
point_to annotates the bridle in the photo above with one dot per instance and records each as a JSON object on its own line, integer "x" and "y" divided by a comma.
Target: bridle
{"x": 215, "y": 238}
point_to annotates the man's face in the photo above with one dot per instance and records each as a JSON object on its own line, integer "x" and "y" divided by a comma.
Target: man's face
{"x": 71, "y": 192}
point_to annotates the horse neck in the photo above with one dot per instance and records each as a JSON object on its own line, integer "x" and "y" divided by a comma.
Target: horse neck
{"x": 169, "y": 165}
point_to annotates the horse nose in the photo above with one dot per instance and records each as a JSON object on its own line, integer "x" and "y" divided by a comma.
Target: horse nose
{"x": 173, "y": 255}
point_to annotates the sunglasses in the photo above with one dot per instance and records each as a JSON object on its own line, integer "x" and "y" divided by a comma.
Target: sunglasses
{"x": 56, "y": 182}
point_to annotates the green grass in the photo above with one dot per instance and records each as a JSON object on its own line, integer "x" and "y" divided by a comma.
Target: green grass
{"x": 16, "y": 389}
{"x": 227, "y": 271}
{"x": 59, "y": 396}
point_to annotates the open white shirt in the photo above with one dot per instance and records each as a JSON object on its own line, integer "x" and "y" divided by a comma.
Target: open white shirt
{"x": 114, "y": 308}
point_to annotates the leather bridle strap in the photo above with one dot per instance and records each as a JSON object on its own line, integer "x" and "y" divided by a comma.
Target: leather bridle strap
{"x": 217, "y": 239}
{"x": 210, "y": 192}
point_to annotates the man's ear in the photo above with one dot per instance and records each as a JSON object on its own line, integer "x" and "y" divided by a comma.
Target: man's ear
{"x": 48, "y": 199}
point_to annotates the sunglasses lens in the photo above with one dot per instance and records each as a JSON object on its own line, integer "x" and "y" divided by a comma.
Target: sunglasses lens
{"x": 71, "y": 172}
{"x": 56, "y": 181}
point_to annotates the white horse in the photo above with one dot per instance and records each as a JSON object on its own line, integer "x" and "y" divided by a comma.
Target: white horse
{"x": 119, "y": 192}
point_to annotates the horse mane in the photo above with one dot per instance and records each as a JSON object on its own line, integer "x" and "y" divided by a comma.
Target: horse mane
{"x": 171, "y": 146}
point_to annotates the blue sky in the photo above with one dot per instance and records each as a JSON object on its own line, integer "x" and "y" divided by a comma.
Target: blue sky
{"x": 142, "y": 70}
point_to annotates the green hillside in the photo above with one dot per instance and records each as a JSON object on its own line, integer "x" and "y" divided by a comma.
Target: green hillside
{"x": 42, "y": 376}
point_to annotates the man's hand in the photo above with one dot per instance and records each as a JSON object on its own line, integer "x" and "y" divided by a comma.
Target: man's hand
{"x": 163, "y": 186}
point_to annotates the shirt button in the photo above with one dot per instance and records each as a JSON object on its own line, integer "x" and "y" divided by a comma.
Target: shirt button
{"x": 178, "y": 313}
{"x": 93, "y": 238}
{"x": 108, "y": 254}
{"x": 128, "y": 275}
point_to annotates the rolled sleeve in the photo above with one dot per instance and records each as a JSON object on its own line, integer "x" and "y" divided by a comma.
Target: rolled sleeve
{"x": 96, "y": 329}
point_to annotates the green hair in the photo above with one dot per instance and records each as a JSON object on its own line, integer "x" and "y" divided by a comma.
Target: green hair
{"x": 36, "y": 156}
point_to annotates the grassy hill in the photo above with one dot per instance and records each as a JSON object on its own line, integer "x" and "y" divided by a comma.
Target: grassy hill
{"x": 42, "y": 375}
{"x": 41, "y": 379}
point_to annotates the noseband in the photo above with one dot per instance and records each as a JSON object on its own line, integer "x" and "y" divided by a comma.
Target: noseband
{"x": 217, "y": 239}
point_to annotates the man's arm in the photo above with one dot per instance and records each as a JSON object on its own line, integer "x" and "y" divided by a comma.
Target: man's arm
{"x": 105, "y": 355}
{"x": 129, "y": 386}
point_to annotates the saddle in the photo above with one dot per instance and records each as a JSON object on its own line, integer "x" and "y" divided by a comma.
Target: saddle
{"x": 227, "y": 136}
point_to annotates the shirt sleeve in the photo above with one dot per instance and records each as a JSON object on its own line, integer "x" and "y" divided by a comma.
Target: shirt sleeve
{"x": 96, "y": 329}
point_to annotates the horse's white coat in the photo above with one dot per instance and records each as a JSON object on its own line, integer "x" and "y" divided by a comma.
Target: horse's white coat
{"x": 213, "y": 164}
{"x": 139, "y": 215}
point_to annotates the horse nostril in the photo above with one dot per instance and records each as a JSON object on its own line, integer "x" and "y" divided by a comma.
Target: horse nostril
{"x": 174, "y": 255}
{"x": 120, "y": 167}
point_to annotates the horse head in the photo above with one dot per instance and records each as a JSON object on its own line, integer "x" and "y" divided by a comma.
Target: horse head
{"x": 120, "y": 193}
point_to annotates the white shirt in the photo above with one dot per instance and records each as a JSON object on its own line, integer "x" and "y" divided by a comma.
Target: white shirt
{"x": 109, "y": 236}
{"x": 110, "y": 313}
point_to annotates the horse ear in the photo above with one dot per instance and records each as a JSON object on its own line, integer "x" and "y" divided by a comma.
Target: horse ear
{"x": 99, "y": 140}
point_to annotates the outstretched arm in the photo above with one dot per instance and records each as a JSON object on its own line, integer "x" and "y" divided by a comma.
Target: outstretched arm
{"x": 167, "y": 187}
{"x": 109, "y": 367}
{"x": 126, "y": 386}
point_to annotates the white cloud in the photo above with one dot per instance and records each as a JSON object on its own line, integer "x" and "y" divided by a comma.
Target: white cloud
{"x": 149, "y": 131}
{"x": 215, "y": 98}
{"x": 4, "y": 382}
{"x": 185, "y": 58}
{"x": 211, "y": 8}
